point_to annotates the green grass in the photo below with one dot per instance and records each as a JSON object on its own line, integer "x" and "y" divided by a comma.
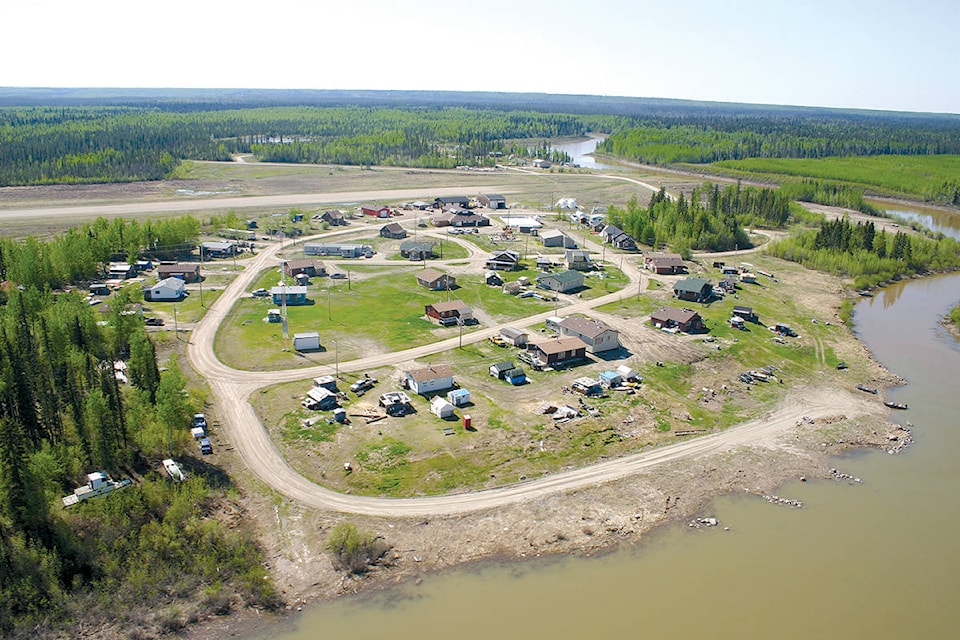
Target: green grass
{"x": 187, "y": 310}
{"x": 385, "y": 312}
{"x": 913, "y": 175}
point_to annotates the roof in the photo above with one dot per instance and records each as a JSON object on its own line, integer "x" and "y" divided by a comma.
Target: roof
{"x": 553, "y": 233}
{"x": 561, "y": 344}
{"x": 451, "y": 305}
{"x": 304, "y": 263}
{"x": 306, "y": 334}
{"x": 176, "y": 283}
{"x": 291, "y": 290}
{"x": 609, "y": 375}
{"x": 432, "y": 372}
{"x": 511, "y": 333}
{"x": 665, "y": 259}
{"x": 680, "y": 316}
{"x": 218, "y": 245}
{"x": 179, "y": 267}
{"x": 458, "y": 393}
{"x": 564, "y": 277}
{"x": 586, "y": 326}
{"x": 430, "y": 275}
{"x": 417, "y": 245}
{"x": 578, "y": 254}
{"x": 503, "y": 366}
{"x": 740, "y": 309}
{"x": 494, "y": 196}
{"x": 504, "y": 254}
{"x": 393, "y": 227}
{"x": 691, "y": 285}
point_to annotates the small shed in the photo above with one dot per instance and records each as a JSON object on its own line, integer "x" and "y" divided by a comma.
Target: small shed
{"x": 320, "y": 398}
{"x": 459, "y": 397}
{"x": 493, "y": 278}
{"x": 308, "y": 341}
{"x": 515, "y": 376}
{"x": 627, "y": 373}
{"x": 514, "y": 337}
{"x": 737, "y": 322}
{"x": 499, "y": 369}
{"x": 326, "y": 382}
{"x": 273, "y": 315}
{"x": 746, "y": 313}
{"x": 441, "y": 408}
{"x": 610, "y": 379}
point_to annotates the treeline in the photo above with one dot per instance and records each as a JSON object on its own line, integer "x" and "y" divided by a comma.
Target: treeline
{"x": 63, "y": 414}
{"x": 829, "y": 193}
{"x": 868, "y": 256}
{"x": 41, "y": 145}
{"x": 712, "y": 220}
{"x": 705, "y": 139}
{"x": 83, "y": 252}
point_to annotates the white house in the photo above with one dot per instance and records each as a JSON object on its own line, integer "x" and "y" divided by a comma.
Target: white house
{"x": 436, "y": 377}
{"x": 598, "y": 335}
{"x": 168, "y": 289}
{"x": 308, "y": 341}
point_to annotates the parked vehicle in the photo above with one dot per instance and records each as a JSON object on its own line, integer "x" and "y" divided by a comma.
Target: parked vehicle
{"x": 206, "y": 447}
{"x": 153, "y": 322}
{"x": 200, "y": 420}
{"x": 260, "y": 293}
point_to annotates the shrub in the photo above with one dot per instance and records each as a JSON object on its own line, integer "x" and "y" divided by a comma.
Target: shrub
{"x": 353, "y": 550}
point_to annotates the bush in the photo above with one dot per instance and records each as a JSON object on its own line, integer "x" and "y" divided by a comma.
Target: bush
{"x": 353, "y": 550}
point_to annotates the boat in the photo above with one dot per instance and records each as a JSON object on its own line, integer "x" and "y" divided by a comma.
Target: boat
{"x": 895, "y": 405}
{"x": 867, "y": 389}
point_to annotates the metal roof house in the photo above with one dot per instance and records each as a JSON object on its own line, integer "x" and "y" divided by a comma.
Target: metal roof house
{"x": 685, "y": 320}
{"x": 693, "y": 290}
{"x": 435, "y": 280}
{"x": 562, "y": 282}
{"x": 167, "y": 290}
{"x": 557, "y": 238}
{"x": 186, "y": 271}
{"x": 393, "y": 230}
{"x": 436, "y": 377}
{"x": 291, "y": 294}
{"x": 556, "y": 352}
{"x": 449, "y": 313}
{"x": 596, "y": 334}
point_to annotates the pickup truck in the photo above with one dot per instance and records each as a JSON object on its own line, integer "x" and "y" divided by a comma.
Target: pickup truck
{"x": 206, "y": 447}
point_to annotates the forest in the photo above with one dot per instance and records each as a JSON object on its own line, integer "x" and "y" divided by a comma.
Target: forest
{"x": 712, "y": 220}
{"x": 151, "y": 554}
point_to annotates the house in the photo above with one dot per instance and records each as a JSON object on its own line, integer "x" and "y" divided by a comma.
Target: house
{"x": 417, "y": 249}
{"x": 307, "y": 341}
{"x": 458, "y": 201}
{"x": 578, "y": 260}
{"x": 308, "y": 266}
{"x": 685, "y": 320}
{"x": 557, "y": 238}
{"x": 121, "y": 271}
{"x": 514, "y": 337}
{"x": 339, "y": 250}
{"x": 693, "y": 290}
{"x": 459, "y": 218}
{"x": 562, "y": 282}
{"x": 556, "y": 352}
{"x": 186, "y": 271}
{"x": 291, "y": 294}
{"x": 597, "y": 335}
{"x": 544, "y": 263}
{"x": 99, "y": 289}
{"x": 499, "y": 369}
{"x": 393, "y": 230}
{"x": 664, "y": 263}
{"x": 503, "y": 260}
{"x": 375, "y": 212}
{"x": 746, "y": 313}
{"x": 449, "y": 313}
{"x": 618, "y": 238}
{"x": 436, "y": 377}
{"x": 440, "y": 407}
{"x": 320, "y": 398}
{"x": 492, "y": 201}
{"x": 459, "y": 397}
{"x": 436, "y": 281}
{"x": 217, "y": 249}
{"x": 168, "y": 289}
{"x": 334, "y": 218}
{"x": 493, "y": 278}
{"x": 143, "y": 265}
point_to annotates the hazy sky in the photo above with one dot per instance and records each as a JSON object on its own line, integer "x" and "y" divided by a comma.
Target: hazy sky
{"x": 879, "y": 54}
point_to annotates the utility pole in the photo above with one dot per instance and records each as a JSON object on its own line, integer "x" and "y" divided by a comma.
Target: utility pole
{"x": 200, "y": 275}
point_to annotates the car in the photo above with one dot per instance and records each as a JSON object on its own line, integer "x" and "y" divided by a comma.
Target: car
{"x": 153, "y": 322}
{"x": 338, "y": 275}
{"x": 199, "y": 420}
{"x": 260, "y": 293}
{"x": 206, "y": 447}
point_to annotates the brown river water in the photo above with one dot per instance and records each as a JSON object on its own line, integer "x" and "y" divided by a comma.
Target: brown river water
{"x": 874, "y": 560}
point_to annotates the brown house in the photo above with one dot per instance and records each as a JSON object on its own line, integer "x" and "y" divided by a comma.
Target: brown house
{"x": 556, "y": 352}
{"x": 393, "y": 230}
{"x": 307, "y": 266}
{"x": 685, "y": 320}
{"x": 448, "y": 313}
{"x": 664, "y": 263}
{"x": 436, "y": 281}
{"x": 186, "y": 271}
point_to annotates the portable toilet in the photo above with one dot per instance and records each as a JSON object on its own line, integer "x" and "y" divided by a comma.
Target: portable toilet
{"x": 467, "y": 422}
{"x": 340, "y": 414}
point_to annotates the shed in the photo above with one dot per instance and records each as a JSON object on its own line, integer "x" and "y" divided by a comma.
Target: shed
{"x": 320, "y": 398}
{"x": 308, "y": 341}
{"x": 493, "y": 278}
{"x": 514, "y": 337}
{"x": 273, "y": 315}
{"x": 499, "y": 369}
{"x": 459, "y": 397}
{"x": 441, "y": 408}
{"x": 515, "y": 376}
{"x": 326, "y": 382}
{"x": 745, "y": 312}
{"x": 627, "y": 373}
{"x": 610, "y": 379}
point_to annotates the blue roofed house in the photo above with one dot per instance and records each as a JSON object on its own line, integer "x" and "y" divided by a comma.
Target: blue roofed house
{"x": 294, "y": 294}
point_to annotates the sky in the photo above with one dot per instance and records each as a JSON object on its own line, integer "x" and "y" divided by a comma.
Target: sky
{"x": 872, "y": 54}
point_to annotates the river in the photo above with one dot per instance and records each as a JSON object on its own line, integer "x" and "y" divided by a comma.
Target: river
{"x": 580, "y": 150}
{"x": 944, "y": 221}
{"x": 874, "y": 560}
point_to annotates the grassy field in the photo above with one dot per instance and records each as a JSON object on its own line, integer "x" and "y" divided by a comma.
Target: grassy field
{"x": 380, "y": 311}
{"x": 912, "y": 175}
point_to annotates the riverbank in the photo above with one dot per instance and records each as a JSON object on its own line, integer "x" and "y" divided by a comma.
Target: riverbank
{"x": 582, "y": 522}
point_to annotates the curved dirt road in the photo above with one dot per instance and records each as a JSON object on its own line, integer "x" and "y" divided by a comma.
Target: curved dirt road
{"x": 232, "y": 388}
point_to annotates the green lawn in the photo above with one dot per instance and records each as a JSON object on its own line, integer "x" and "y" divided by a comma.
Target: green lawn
{"x": 383, "y": 312}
